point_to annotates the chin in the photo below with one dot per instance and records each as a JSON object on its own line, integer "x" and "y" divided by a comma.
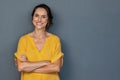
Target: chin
{"x": 39, "y": 27}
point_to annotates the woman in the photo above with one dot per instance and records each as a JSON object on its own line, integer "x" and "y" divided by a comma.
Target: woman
{"x": 39, "y": 55}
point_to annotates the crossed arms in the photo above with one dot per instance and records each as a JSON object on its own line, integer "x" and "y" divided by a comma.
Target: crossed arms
{"x": 38, "y": 67}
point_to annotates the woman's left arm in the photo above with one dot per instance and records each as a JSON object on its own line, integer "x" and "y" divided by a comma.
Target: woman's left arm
{"x": 56, "y": 61}
{"x": 51, "y": 68}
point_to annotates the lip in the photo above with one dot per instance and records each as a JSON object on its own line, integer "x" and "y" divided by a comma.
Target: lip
{"x": 39, "y": 23}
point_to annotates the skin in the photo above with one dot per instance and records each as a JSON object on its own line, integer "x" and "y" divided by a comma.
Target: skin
{"x": 40, "y": 20}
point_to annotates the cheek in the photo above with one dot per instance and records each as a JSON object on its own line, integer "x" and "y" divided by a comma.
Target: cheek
{"x": 46, "y": 21}
{"x": 33, "y": 22}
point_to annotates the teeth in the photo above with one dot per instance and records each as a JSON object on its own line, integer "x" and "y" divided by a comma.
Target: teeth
{"x": 39, "y": 24}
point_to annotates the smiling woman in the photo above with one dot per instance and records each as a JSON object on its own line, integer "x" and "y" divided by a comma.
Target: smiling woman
{"x": 39, "y": 54}
{"x": 40, "y": 18}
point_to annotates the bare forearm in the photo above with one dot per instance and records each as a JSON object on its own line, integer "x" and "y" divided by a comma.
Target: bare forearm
{"x": 47, "y": 69}
{"x": 51, "y": 68}
{"x": 30, "y": 66}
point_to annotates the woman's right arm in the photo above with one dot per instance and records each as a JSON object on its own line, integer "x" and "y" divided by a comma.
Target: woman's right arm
{"x": 27, "y": 66}
{"x": 21, "y": 60}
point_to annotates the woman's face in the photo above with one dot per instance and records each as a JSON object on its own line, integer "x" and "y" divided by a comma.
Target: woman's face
{"x": 40, "y": 18}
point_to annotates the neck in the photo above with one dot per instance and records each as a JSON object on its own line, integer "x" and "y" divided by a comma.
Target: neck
{"x": 39, "y": 33}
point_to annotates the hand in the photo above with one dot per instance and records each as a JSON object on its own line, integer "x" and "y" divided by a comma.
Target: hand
{"x": 23, "y": 57}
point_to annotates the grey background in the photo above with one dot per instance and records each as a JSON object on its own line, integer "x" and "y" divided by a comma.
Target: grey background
{"x": 89, "y": 32}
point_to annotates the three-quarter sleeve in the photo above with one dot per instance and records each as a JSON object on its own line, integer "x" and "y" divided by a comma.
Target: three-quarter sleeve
{"x": 57, "y": 51}
{"x": 21, "y": 49}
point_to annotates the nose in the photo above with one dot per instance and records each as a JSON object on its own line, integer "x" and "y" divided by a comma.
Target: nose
{"x": 39, "y": 18}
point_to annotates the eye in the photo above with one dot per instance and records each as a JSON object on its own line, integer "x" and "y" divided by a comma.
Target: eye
{"x": 44, "y": 16}
{"x": 36, "y": 15}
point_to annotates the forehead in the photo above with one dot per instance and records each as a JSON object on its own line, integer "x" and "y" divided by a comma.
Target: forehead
{"x": 41, "y": 11}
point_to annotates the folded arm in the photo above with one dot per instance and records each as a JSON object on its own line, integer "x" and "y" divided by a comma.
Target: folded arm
{"x": 51, "y": 68}
{"x": 38, "y": 67}
{"x": 28, "y": 66}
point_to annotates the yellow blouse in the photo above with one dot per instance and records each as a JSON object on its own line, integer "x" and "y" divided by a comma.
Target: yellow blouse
{"x": 50, "y": 51}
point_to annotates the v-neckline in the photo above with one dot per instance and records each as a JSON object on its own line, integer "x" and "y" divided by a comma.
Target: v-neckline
{"x": 46, "y": 40}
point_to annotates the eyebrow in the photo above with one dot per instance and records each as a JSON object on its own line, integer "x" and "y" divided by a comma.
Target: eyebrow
{"x": 38, "y": 14}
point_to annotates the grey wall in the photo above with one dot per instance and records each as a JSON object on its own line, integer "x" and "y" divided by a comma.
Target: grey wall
{"x": 89, "y": 31}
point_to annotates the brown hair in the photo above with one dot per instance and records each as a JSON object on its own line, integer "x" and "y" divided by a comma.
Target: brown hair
{"x": 47, "y": 8}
